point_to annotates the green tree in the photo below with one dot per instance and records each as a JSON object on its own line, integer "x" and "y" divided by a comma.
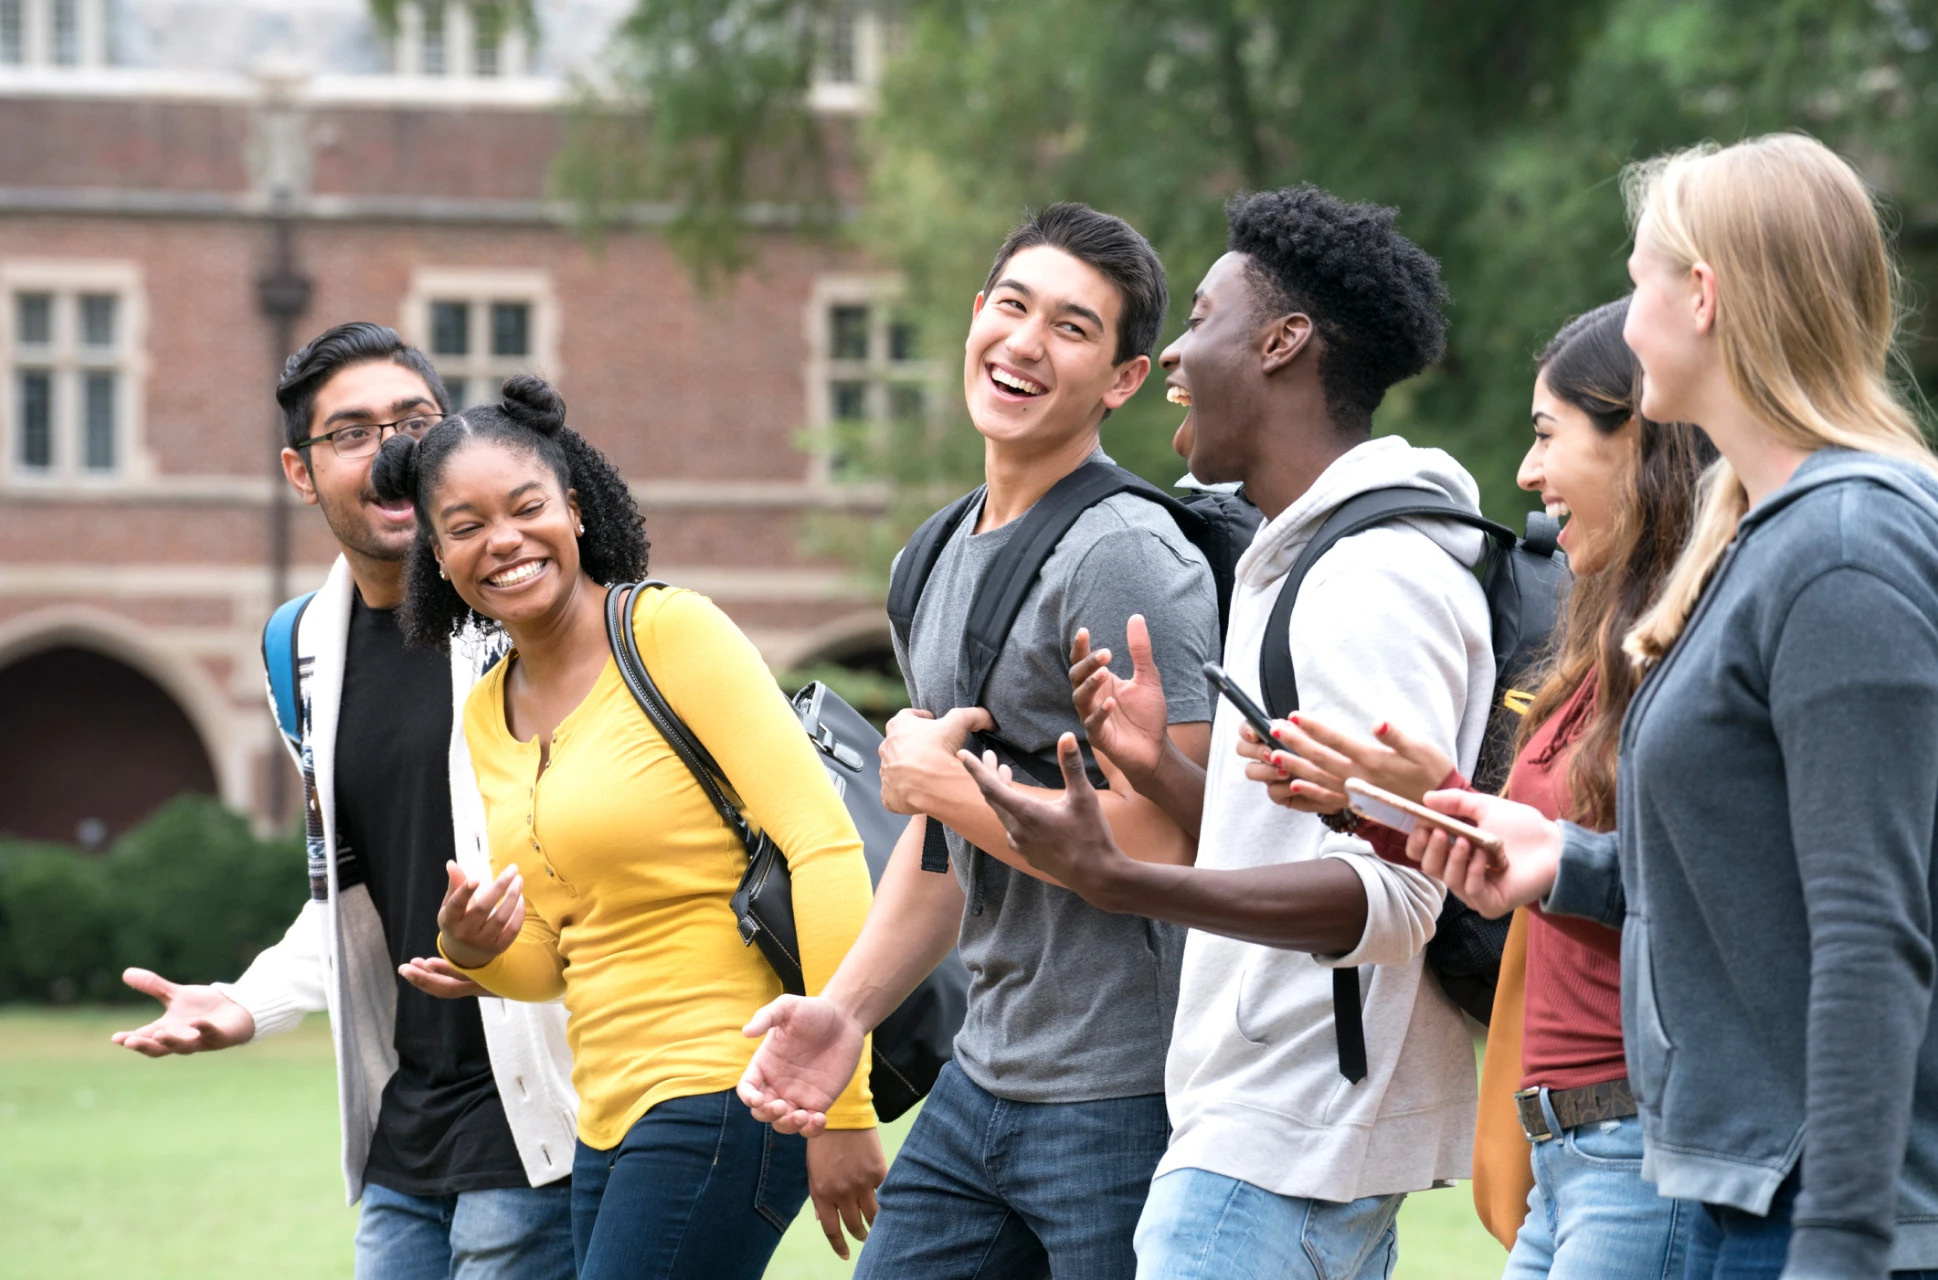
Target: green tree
{"x": 1499, "y": 129}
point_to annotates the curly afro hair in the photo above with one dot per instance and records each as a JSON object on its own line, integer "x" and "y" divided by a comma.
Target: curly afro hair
{"x": 1374, "y": 295}
{"x": 530, "y": 417}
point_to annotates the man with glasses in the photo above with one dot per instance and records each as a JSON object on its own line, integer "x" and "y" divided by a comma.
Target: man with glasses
{"x": 457, "y": 1111}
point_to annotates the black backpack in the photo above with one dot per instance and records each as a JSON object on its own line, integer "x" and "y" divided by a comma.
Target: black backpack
{"x": 1526, "y": 580}
{"x": 1220, "y": 525}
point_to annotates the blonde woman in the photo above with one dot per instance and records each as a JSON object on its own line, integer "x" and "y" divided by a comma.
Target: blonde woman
{"x": 1772, "y": 871}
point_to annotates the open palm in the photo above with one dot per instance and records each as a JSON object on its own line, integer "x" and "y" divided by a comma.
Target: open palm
{"x": 808, "y": 1052}
{"x": 1125, "y": 720}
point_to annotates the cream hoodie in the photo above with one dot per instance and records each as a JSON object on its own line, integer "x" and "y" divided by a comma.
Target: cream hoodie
{"x": 1390, "y": 624}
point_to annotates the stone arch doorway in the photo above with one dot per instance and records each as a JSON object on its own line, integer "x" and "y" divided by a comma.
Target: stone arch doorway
{"x": 89, "y": 746}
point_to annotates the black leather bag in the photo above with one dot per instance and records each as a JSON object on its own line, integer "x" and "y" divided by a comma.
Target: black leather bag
{"x": 913, "y": 1042}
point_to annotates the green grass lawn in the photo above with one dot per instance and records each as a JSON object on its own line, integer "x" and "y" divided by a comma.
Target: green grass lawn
{"x": 113, "y": 1166}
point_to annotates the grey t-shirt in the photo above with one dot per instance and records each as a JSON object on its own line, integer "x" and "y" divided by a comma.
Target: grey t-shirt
{"x": 1066, "y": 1003}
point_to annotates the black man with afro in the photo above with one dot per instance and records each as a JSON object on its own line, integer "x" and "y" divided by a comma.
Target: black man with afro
{"x": 1290, "y": 1154}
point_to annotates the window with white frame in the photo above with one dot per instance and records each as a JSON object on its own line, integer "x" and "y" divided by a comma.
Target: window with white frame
{"x": 54, "y": 33}
{"x": 480, "y": 326}
{"x": 853, "y": 40}
{"x": 73, "y": 354}
{"x": 460, "y": 39}
{"x": 865, "y": 372}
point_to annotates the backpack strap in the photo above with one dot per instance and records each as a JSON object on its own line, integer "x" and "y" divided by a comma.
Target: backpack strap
{"x": 1279, "y": 684}
{"x": 279, "y": 661}
{"x": 1011, "y": 577}
{"x": 918, "y": 559}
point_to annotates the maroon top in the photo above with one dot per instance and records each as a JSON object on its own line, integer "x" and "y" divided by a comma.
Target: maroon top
{"x": 1572, "y": 1031}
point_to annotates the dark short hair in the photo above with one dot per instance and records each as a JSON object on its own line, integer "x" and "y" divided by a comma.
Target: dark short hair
{"x": 334, "y": 350}
{"x": 1374, "y": 295}
{"x": 1115, "y": 250}
{"x": 531, "y": 419}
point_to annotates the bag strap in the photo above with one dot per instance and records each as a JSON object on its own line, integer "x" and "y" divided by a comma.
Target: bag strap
{"x": 1011, "y": 577}
{"x": 918, "y": 559}
{"x": 621, "y": 601}
{"x": 279, "y": 661}
{"x": 1277, "y": 681}
{"x": 1280, "y": 686}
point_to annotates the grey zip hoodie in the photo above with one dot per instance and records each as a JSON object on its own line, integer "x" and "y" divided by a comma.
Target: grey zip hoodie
{"x": 1390, "y": 624}
{"x": 1776, "y": 812}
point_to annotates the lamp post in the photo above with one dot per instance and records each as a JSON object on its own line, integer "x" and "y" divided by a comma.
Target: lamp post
{"x": 280, "y": 152}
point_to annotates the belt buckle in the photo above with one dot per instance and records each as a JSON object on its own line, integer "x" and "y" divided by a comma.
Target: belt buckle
{"x": 1521, "y": 1098}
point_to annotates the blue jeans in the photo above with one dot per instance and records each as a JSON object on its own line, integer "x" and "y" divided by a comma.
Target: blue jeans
{"x": 697, "y": 1190}
{"x": 517, "y": 1233}
{"x": 1590, "y": 1215}
{"x": 1729, "y": 1244}
{"x": 985, "y": 1187}
{"x": 1200, "y": 1225}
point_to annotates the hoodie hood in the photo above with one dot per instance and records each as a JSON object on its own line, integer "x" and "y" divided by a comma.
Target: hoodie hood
{"x": 1386, "y": 463}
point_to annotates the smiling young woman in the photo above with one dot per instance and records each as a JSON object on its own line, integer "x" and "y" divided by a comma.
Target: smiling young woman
{"x": 614, "y": 870}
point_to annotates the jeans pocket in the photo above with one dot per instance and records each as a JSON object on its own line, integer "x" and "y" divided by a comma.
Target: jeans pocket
{"x": 1610, "y": 1144}
{"x": 1340, "y": 1240}
{"x": 781, "y": 1185}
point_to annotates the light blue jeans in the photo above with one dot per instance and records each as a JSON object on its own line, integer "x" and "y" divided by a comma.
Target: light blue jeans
{"x": 517, "y": 1233}
{"x": 1590, "y": 1215}
{"x": 1204, "y": 1226}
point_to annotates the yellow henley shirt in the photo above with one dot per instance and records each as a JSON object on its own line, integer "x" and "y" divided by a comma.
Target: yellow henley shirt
{"x": 628, "y": 869}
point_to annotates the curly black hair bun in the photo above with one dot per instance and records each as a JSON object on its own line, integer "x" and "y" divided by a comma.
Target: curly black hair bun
{"x": 532, "y": 403}
{"x": 393, "y": 472}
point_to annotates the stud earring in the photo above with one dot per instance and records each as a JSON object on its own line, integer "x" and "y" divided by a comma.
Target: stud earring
{"x": 581, "y": 529}
{"x": 442, "y": 574}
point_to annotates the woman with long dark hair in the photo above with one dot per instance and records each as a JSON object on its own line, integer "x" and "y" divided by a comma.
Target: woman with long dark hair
{"x": 615, "y": 870}
{"x": 1626, "y": 486}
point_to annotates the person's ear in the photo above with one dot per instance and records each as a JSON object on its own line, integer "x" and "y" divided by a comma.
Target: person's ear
{"x": 1283, "y": 340}
{"x": 572, "y": 510}
{"x": 1702, "y": 296}
{"x": 1130, "y": 376}
{"x": 296, "y": 469}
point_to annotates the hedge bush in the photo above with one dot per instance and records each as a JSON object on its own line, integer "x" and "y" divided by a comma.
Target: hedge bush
{"x": 190, "y": 893}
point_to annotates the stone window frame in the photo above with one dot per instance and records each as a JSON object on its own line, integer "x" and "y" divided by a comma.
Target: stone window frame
{"x": 481, "y": 370}
{"x": 70, "y": 360}
{"x": 461, "y": 45}
{"x": 878, "y": 371}
{"x": 34, "y": 32}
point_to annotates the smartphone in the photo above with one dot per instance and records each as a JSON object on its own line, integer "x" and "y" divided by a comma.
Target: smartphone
{"x": 1254, "y": 715}
{"x": 1376, "y": 804}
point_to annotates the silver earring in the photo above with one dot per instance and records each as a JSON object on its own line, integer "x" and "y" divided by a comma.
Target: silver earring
{"x": 582, "y": 529}
{"x": 442, "y": 574}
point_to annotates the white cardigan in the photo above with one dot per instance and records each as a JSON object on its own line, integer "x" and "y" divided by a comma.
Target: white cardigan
{"x": 334, "y": 956}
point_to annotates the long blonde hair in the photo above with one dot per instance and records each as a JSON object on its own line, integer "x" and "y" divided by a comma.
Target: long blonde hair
{"x": 1806, "y": 320}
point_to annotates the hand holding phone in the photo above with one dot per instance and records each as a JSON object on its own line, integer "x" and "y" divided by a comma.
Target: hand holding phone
{"x": 1254, "y": 714}
{"x": 1376, "y": 804}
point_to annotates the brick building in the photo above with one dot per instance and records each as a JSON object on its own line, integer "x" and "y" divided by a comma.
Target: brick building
{"x": 156, "y": 158}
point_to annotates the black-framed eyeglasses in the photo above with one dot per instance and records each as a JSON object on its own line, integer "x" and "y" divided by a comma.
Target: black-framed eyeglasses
{"x": 362, "y": 439}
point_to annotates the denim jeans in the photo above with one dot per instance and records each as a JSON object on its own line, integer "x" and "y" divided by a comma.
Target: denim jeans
{"x": 985, "y": 1187}
{"x": 1200, "y": 1225}
{"x": 697, "y": 1190}
{"x": 517, "y": 1233}
{"x": 1729, "y": 1244}
{"x": 1590, "y": 1215}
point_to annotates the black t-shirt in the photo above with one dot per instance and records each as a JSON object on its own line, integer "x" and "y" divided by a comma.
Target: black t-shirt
{"x": 441, "y": 1129}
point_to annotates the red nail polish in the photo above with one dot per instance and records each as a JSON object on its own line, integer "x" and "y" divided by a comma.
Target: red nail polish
{"x": 1382, "y": 729}
{"x": 1293, "y": 719}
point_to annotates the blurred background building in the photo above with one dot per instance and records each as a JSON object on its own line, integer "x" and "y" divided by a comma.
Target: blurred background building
{"x": 191, "y": 188}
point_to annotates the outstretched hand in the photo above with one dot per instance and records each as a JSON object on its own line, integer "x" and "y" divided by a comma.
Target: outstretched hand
{"x": 1307, "y": 766}
{"x": 1533, "y": 852}
{"x": 1065, "y": 835}
{"x": 194, "y": 1019}
{"x": 808, "y": 1052}
{"x": 436, "y": 976}
{"x": 1126, "y": 721}
{"x": 476, "y": 923}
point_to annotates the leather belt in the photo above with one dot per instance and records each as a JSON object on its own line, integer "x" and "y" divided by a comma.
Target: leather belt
{"x": 1609, "y": 1100}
